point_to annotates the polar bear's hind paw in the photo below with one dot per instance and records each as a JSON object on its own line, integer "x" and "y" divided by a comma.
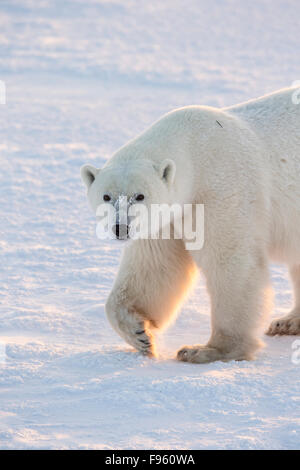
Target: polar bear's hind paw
{"x": 289, "y": 325}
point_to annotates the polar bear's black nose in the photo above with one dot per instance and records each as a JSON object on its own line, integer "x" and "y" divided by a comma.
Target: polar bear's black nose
{"x": 121, "y": 231}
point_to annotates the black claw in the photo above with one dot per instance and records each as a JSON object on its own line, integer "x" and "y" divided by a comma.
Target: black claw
{"x": 140, "y": 332}
{"x": 182, "y": 355}
{"x": 145, "y": 341}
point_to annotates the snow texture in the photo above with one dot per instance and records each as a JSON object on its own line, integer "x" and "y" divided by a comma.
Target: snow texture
{"x": 82, "y": 77}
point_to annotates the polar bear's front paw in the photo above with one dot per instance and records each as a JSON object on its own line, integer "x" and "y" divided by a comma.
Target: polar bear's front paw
{"x": 143, "y": 341}
{"x": 288, "y": 325}
{"x": 199, "y": 354}
{"x": 131, "y": 326}
{"x": 135, "y": 330}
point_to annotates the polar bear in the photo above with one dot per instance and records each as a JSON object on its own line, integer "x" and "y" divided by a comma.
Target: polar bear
{"x": 243, "y": 164}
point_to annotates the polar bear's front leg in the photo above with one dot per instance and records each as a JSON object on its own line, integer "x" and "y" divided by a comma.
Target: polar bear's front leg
{"x": 153, "y": 279}
{"x": 236, "y": 289}
{"x": 130, "y": 325}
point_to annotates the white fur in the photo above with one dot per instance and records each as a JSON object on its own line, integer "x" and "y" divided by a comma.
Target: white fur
{"x": 243, "y": 164}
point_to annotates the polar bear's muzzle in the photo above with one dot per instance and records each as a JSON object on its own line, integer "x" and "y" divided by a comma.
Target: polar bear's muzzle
{"x": 121, "y": 231}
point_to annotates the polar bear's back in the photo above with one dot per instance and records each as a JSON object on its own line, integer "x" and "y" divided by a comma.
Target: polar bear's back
{"x": 275, "y": 119}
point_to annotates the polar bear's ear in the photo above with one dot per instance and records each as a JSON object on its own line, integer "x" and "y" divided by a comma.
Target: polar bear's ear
{"x": 88, "y": 174}
{"x": 167, "y": 171}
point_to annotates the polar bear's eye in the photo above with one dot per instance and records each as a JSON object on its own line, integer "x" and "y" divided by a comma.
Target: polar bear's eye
{"x": 140, "y": 197}
{"x": 106, "y": 198}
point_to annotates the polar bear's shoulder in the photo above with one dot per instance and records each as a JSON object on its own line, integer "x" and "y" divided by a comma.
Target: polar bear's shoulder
{"x": 183, "y": 120}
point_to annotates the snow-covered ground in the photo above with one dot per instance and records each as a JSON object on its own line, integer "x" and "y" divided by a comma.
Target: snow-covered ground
{"x": 82, "y": 77}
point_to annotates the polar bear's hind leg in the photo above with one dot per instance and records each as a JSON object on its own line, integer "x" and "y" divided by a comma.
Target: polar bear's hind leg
{"x": 289, "y": 324}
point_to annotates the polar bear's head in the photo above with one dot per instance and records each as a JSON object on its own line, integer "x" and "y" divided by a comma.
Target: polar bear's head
{"x": 137, "y": 182}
